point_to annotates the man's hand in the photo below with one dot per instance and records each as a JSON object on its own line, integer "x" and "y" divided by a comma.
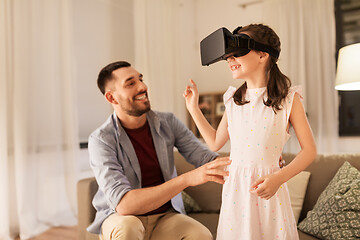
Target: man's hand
{"x": 281, "y": 162}
{"x": 213, "y": 171}
{"x": 142, "y": 200}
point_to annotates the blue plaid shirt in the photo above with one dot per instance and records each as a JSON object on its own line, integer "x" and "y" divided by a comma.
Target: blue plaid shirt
{"x": 116, "y": 167}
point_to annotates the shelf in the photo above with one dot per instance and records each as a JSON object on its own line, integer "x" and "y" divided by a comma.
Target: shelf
{"x": 212, "y": 106}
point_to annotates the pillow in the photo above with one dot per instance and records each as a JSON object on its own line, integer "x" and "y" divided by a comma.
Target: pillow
{"x": 190, "y": 205}
{"x": 336, "y": 214}
{"x": 297, "y": 189}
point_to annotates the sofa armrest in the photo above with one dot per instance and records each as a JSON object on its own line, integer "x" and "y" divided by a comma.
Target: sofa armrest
{"x": 86, "y": 189}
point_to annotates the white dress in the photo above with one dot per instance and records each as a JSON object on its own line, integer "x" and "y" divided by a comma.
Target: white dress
{"x": 257, "y": 136}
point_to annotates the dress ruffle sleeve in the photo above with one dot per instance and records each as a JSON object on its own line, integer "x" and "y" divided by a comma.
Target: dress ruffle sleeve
{"x": 229, "y": 94}
{"x": 290, "y": 99}
{"x": 228, "y": 102}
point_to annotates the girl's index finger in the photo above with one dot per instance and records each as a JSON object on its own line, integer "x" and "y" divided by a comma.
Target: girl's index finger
{"x": 257, "y": 183}
{"x": 193, "y": 82}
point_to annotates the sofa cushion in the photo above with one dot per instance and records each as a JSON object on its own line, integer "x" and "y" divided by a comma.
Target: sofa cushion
{"x": 336, "y": 214}
{"x": 297, "y": 189}
{"x": 207, "y": 195}
{"x": 305, "y": 236}
{"x": 322, "y": 169}
{"x": 190, "y": 205}
{"x": 209, "y": 220}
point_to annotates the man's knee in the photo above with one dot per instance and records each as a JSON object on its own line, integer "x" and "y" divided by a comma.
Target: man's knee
{"x": 196, "y": 230}
{"x": 179, "y": 226}
{"x": 117, "y": 227}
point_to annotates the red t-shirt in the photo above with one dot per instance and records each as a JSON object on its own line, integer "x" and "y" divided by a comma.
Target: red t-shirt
{"x": 151, "y": 174}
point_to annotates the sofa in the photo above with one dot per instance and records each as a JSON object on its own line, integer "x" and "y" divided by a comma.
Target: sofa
{"x": 208, "y": 196}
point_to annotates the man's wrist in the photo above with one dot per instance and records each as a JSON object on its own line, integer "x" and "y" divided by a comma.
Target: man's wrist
{"x": 184, "y": 180}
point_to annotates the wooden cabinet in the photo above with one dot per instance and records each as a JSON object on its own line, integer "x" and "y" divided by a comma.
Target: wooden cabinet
{"x": 212, "y": 106}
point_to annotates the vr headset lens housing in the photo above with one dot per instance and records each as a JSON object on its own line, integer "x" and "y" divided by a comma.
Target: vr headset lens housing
{"x": 222, "y": 44}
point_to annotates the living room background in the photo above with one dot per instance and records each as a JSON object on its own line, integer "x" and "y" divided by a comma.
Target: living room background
{"x": 52, "y": 52}
{"x": 113, "y": 37}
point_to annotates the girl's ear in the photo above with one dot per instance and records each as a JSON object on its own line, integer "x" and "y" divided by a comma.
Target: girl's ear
{"x": 110, "y": 98}
{"x": 263, "y": 56}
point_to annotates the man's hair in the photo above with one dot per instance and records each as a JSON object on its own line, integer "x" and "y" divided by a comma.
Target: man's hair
{"x": 105, "y": 74}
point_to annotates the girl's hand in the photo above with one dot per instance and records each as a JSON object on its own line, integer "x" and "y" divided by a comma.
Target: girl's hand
{"x": 265, "y": 187}
{"x": 191, "y": 96}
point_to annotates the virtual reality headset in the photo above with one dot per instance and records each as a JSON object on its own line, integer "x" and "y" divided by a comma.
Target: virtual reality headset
{"x": 223, "y": 44}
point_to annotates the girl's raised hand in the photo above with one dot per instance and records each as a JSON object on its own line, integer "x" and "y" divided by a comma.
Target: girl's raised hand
{"x": 265, "y": 187}
{"x": 191, "y": 96}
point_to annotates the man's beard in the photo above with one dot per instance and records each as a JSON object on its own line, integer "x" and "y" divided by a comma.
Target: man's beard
{"x": 136, "y": 112}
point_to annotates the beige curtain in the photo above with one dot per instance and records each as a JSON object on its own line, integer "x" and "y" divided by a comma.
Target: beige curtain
{"x": 307, "y": 32}
{"x": 38, "y": 135}
{"x": 157, "y": 51}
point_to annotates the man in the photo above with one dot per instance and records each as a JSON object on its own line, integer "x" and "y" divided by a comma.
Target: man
{"x": 131, "y": 154}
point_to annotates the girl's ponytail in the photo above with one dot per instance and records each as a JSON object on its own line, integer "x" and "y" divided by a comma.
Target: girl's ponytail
{"x": 277, "y": 87}
{"x": 239, "y": 95}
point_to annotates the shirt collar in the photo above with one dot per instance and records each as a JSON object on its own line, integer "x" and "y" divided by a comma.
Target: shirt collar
{"x": 151, "y": 116}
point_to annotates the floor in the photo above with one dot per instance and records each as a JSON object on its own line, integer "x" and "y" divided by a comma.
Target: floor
{"x": 57, "y": 233}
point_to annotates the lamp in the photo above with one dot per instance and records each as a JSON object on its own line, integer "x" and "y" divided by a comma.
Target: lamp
{"x": 348, "y": 69}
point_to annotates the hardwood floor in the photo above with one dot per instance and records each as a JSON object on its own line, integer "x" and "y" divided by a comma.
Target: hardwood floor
{"x": 57, "y": 233}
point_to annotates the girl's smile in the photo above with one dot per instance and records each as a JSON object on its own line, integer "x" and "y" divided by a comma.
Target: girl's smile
{"x": 233, "y": 64}
{"x": 234, "y": 67}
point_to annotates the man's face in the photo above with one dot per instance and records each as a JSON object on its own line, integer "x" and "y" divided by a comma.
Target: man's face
{"x": 129, "y": 91}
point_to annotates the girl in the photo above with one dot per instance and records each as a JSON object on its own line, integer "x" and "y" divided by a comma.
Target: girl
{"x": 255, "y": 198}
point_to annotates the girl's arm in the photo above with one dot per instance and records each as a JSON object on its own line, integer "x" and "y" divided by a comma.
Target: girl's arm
{"x": 305, "y": 137}
{"x": 215, "y": 139}
{"x": 267, "y": 186}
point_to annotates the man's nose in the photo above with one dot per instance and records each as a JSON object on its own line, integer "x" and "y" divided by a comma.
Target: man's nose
{"x": 142, "y": 86}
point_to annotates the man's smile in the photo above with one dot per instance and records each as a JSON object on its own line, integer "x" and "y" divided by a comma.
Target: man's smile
{"x": 141, "y": 97}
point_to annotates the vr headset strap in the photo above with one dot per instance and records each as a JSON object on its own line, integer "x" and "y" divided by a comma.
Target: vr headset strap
{"x": 252, "y": 44}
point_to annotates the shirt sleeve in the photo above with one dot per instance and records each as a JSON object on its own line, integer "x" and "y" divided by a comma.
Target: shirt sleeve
{"x": 189, "y": 146}
{"x": 108, "y": 172}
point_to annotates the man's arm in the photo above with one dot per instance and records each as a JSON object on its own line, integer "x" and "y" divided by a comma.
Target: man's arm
{"x": 188, "y": 145}
{"x": 141, "y": 201}
{"x": 108, "y": 171}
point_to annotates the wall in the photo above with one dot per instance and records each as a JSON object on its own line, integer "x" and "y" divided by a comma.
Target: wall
{"x": 103, "y": 32}
{"x": 349, "y": 145}
{"x": 198, "y": 19}
{"x": 210, "y": 16}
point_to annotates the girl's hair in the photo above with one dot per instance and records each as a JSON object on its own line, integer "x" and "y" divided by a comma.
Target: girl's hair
{"x": 278, "y": 84}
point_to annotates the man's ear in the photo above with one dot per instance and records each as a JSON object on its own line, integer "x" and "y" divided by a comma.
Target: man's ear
{"x": 110, "y": 98}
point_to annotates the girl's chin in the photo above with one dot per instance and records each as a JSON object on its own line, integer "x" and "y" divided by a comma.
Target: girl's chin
{"x": 236, "y": 75}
